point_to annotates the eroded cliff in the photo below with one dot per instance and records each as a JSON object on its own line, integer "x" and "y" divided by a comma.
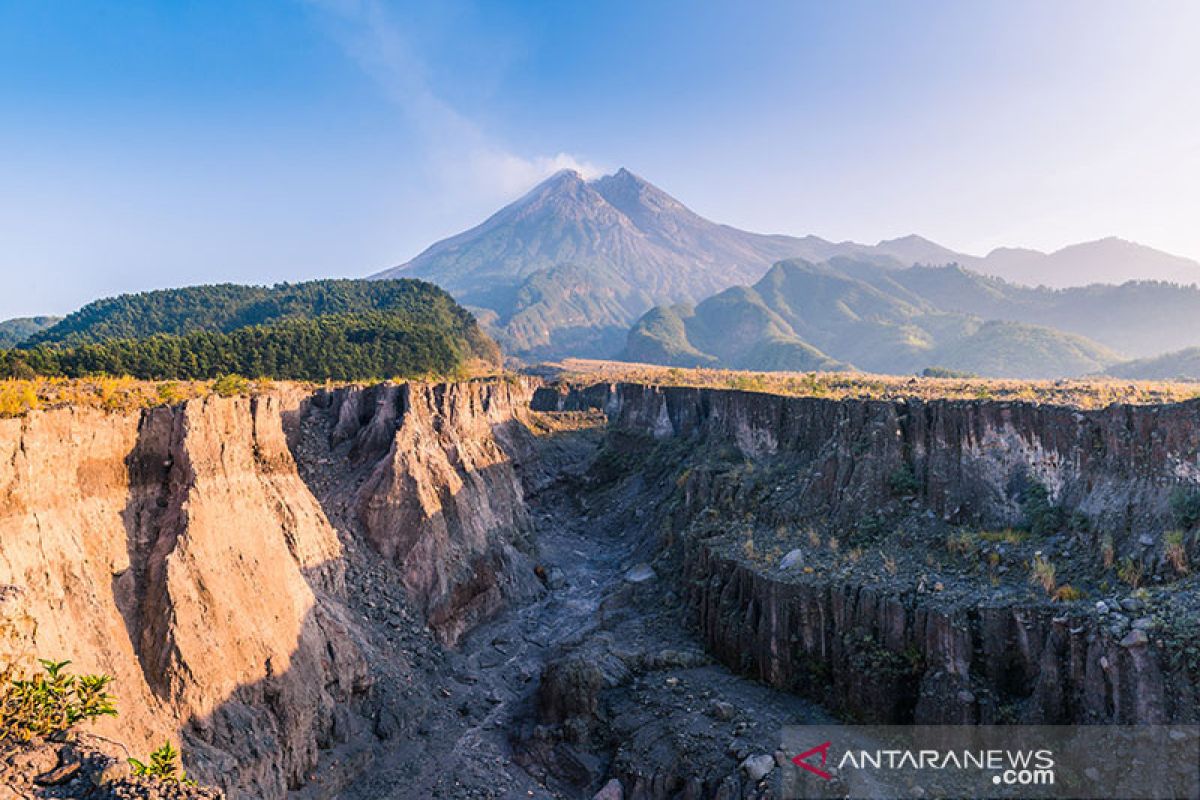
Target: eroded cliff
{"x": 408, "y": 590}
{"x": 958, "y": 635}
{"x": 179, "y": 550}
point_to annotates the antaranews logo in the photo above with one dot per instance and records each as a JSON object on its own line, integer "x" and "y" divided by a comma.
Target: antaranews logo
{"x": 1011, "y": 767}
{"x": 989, "y": 761}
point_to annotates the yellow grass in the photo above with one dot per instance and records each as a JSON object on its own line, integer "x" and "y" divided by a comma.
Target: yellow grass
{"x": 18, "y": 397}
{"x": 1079, "y": 393}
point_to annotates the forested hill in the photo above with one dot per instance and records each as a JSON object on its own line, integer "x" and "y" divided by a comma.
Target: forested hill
{"x": 227, "y": 307}
{"x": 338, "y": 329}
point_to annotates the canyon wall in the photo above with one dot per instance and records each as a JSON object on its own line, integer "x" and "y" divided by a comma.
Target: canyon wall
{"x": 971, "y": 459}
{"x": 880, "y": 654}
{"x": 179, "y": 550}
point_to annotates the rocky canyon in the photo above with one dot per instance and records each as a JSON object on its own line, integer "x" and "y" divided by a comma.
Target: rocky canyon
{"x": 512, "y": 588}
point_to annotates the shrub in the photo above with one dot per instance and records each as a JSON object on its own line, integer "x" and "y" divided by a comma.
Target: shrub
{"x": 1008, "y": 536}
{"x": 903, "y": 483}
{"x": 163, "y": 766}
{"x": 52, "y": 703}
{"x": 1043, "y": 574}
{"x": 231, "y": 385}
{"x": 962, "y": 543}
{"x": 944, "y": 372}
{"x": 171, "y": 392}
{"x": 1185, "y": 506}
{"x": 748, "y": 548}
{"x": 16, "y": 398}
{"x": 1176, "y": 552}
{"x": 1130, "y": 572}
{"x": 1067, "y": 593}
{"x": 1041, "y": 515}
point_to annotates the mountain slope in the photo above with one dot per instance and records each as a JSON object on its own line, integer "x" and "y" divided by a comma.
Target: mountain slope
{"x": 566, "y": 268}
{"x": 1141, "y": 318}
{"x": 16, "y": 330}
{"x": 1178, "y": 365}
{"x": 806, "y": 316}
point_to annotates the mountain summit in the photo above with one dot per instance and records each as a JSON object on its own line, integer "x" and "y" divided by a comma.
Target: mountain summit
{"x": 570, "y": 265}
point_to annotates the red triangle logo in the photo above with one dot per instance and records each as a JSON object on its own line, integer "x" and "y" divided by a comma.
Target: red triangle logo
{"x": 823, "y": 749}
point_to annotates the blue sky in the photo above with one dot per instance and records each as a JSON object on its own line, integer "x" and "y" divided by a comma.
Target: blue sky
{"x": 153, "y": 144}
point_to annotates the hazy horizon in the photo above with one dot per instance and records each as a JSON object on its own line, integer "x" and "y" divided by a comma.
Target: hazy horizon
{"x": 154, "y": 145}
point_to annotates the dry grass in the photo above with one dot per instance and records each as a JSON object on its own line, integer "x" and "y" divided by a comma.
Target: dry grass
{"x": 18, "y": 397}
{"x": 841, "y": 385}
{"x": 1042, "y": 573}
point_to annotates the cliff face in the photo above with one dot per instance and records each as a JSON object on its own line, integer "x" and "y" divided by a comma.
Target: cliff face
{"x": 439, "y": 492}
{"x": 245, "y": 567}
{"x": 885, "y": 654}
{"x": 971, "y": 459}
{"x": 180, "y": 551}
{"x": 893, "y": 658}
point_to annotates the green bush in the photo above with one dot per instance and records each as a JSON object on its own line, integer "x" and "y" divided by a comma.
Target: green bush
{"x": 163, "y": 766}
{"x": 903, "y": 483}
{"x": 1185, "y": 506}
{"x": 231, "y": 385}
{"x": 52, "y": 703}
{"x": 1041, "y": 515}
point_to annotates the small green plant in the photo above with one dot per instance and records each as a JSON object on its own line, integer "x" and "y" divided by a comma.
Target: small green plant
{"x": 1043, "y": 574}
{"x": 1185, "y": 506}
{"x": 1041, "y": 515}
{"x": 903, "y": 483}
{"x": 163, "y": 766}
{"x": 1176, "y": 553}
{"x": 52, "y": 703}
{"x": 1130, "y": 572}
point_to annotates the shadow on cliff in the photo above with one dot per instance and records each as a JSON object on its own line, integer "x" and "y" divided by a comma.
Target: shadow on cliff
{"x": 329, "y": 693}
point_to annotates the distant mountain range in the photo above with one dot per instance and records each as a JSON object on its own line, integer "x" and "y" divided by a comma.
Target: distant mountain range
{"x": 16, "y": 330}
{"x": 845, "y": 313}
{"x": 569, "y": 267}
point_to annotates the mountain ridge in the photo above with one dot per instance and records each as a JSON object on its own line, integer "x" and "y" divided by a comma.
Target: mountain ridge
{"x": 804, "y": 316}
{"x": 568, "y": 267}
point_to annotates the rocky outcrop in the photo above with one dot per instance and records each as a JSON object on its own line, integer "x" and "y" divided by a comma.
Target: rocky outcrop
{"x": 879, "y": 654}
{"x": 179, "y": 550}
{"x": 971, "y": 460}
{"x": 892, "y": 658}
{"x": 440, "y": 493}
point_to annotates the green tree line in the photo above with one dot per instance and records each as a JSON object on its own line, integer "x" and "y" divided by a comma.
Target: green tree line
{"x": 373, "y": 345}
